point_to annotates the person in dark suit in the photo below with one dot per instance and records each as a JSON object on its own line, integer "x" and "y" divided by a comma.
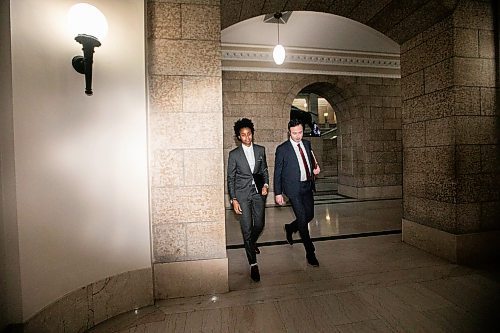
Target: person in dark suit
{"x": 294, "y": 171}
{"x": 248, "y": 183}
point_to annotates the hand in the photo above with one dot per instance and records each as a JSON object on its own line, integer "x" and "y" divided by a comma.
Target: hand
{"x": 316, "y": 170}
{"x": 236, "y": 207}
{"x": 279, "y": 199}
{"x": 265, "y": 190}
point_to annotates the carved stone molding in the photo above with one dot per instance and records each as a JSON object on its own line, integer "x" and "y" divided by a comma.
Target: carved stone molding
{"x": 310, "y": 61}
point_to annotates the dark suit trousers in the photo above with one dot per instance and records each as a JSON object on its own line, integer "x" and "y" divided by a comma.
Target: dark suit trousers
{"x": 303, "y": 208}
{"x": 252, "y": 222}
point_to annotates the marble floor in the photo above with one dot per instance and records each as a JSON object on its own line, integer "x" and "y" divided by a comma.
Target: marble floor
{"x": 330, "y": 219}
{"x": 368, "y": 283}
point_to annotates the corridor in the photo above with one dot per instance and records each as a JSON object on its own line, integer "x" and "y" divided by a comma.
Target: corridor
{"x": 364, "y": 283}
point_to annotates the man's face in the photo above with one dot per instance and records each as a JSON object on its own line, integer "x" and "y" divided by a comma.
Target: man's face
{"x": 246, "y": 136}
{"x": 296, "y": 133}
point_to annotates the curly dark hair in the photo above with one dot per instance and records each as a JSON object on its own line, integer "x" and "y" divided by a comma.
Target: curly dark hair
{"x": 294, "y": 122}
{"x": 242, "y": 123}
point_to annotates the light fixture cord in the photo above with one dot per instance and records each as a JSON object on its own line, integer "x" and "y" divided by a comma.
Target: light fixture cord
{"x": 278, "y": 31}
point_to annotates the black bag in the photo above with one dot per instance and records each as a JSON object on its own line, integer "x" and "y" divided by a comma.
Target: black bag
{"x": 259, "y": 181}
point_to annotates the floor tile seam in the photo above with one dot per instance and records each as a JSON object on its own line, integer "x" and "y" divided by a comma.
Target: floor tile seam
{"x": 348, "y": 201}
{"x": 275, "y": 300}
{"x": 297, "y": 286}
{"x": 247, "y": 301}
{"x": 377, "y": 313}
{"x": 126, "y": 326}
{"x": 331, "y": 320}
{"x": 414, "y": 308}
{"x": 324, "y": 238}
{"x": 282, "y": 320}
{"x": 253, "y": 302}
{"x": 385, "y": 313}
{"x": 423, "y": 311}
{"x": 371, "y": 320}
{"x": 459, "y": 304}
{"x": 465, "y": 273}
{"x": 382, "y": 272}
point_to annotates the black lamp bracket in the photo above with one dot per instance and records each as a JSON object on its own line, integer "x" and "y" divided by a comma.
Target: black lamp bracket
{"x": 83, "y": 64}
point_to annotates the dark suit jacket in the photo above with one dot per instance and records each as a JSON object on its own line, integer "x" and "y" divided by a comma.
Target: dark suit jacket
{"x": 239, "y": 175}
{"x": 287, "y": 170}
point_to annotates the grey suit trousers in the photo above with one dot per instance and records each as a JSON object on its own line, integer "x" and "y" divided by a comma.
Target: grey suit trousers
{"x": 252, "y": 222}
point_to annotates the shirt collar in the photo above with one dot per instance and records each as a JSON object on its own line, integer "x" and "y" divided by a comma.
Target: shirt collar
{"x": 245, "y": 148}
{"x": 295, "y": 143}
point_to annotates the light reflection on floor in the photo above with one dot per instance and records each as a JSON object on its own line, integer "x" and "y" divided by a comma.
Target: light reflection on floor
{"x": 330, "y": 220}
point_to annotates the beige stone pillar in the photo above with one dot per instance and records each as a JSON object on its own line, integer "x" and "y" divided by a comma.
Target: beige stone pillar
{"x": 185, "y": 147}
{"x": 450, "y": 137}
{"x": 369, "y": 142}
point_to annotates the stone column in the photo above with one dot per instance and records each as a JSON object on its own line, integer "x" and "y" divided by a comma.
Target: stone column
{"x": 369, "y": 142}
{"x": 313, "y": 105}
{"x": 450, "y": 136}
{"x": 185, "y": 147}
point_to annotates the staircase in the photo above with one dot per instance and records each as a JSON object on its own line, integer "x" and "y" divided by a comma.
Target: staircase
{"x": 326, "y": 192}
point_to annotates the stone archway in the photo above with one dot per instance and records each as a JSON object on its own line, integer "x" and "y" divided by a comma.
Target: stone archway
{"x": 369, "y": 125}
{"x": 369, "y": 112}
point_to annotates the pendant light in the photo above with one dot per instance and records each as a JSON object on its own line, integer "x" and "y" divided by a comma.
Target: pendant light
{"x": 279, "y": 50}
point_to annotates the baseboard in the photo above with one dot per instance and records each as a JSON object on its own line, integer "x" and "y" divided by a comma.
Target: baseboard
{"x": 468, "y": 249}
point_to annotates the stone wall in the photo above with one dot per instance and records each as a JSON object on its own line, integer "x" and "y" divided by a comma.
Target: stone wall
{"x": 368, "y": 115}
{"x": 185, "y": 130}
{"x": 450, "y": 125}
{"x": 330, "y": 158}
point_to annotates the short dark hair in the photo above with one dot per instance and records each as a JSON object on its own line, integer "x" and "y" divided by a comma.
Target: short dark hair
{"x": 294, "y": 122}
{"x": 242, "y": 123}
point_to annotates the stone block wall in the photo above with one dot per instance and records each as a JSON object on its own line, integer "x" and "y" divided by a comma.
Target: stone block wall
{"x": 330, "y": 157}
{"x": 450, "y": 123}
{"x": 451, "y": 129}
{"x": 368, "y": 115}
{"x": 185, "y": 140}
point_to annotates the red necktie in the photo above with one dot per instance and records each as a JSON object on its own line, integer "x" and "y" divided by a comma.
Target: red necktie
{"x": 308, "y": 172}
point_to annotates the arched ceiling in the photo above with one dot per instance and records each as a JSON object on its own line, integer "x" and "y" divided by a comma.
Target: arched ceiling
{"x": 311, "y": 30}
{"x": 398, "y": 19}
{"x": 315, "y": 43}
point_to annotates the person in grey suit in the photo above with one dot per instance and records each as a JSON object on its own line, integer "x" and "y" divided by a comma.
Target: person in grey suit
{"x": 294, "y": 169}
{"x": 248, "y": 183}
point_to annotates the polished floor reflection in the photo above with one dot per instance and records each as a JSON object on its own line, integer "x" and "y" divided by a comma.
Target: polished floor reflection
{"x": 364, "y": 284}
{"x": 331, "y": 219}
{"x": 334, "y": 215}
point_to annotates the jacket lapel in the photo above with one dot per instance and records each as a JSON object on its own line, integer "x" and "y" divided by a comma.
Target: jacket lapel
{"x": 256, "y": 158}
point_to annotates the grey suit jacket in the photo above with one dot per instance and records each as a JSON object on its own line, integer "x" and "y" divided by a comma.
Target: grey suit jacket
{"x": 239, "y": 175}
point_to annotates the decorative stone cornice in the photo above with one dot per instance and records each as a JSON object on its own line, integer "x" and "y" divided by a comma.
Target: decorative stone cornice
{"x": 313, "y": 61}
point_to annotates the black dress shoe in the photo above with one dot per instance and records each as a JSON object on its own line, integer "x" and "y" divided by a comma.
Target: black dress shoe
{"x": 256, "y": 249}
{"x": 254, "y": 273}
{"x": 311, "y": 260}
{"x": 289, "y": 234}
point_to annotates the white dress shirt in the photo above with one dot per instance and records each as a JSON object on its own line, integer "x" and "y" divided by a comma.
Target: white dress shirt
{"x": 303, "y": 174}
{"x": 249, "y": 155}
{"x": 250, "y": 159}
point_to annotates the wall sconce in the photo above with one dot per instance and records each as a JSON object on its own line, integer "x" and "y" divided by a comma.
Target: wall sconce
{"x": 89, "y": 25}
